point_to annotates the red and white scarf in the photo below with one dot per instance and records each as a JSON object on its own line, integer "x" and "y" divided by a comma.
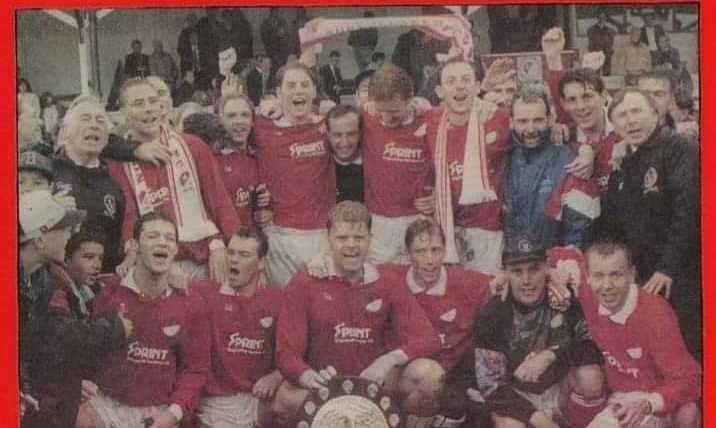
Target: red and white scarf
{"x": 475, "y": 178}
{"x": 193, "y": 222}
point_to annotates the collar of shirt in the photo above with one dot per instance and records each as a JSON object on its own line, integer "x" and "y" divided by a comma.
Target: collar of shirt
{"x": 356, "y": 161}
{"x": 438, "y": 289}
{"x": 623, "y": 314}
{"x": 283, "y": 122}
{"x": 370, "y": 273}
{"x": 129, "y": 282}
{"x": 608, "y": 129}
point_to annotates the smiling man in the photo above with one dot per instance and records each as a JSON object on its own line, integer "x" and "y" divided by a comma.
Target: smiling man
{"x": 357, "y": 321}
{"x": 188, "y": 189}
{"x": 542, "y": 200}
{"x": 344, "y": 135}
{"x": 653, "y": 205}
{"x": 155, "y": 379}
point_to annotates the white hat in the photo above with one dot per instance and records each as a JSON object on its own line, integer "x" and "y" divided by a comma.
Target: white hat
{"x": 40, "y": 212}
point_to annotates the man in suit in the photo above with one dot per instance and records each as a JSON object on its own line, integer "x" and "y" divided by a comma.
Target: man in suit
{"x": 260, "y": 79}
{"x": 331, "y": 78}
{"x": 136, "y": 64}
{"x": 651, "y": 33}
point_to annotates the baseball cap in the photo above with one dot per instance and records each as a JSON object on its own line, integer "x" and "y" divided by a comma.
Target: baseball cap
{"x": 40, "y": 213}
{"x": 522, "y": 249}
{"x": 35, "y": 157}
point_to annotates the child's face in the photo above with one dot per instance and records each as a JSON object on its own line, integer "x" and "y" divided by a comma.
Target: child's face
{"x": 86, "y": 263}
{"x": 30, "y": 180}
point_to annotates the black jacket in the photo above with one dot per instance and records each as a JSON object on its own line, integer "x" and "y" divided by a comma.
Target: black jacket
{"x": 95, "y": 191}
{"x": 653, "y": 204}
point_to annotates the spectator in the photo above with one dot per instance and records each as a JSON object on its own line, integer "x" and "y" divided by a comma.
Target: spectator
{"x": 363, "y": 43}
{"x": 185, "y": 110}
{"x": 260, "y": 79}
{"x": 228, "y": 82}
{"x": 184, "y": 48}
{"x": 160, "y": 374}
{"x": 361, "y": 84}
{"x": 185, "y": 90}
{"x": 199, "y": 192}
{"x": 529, "y": 356}
{"x": 344, "y": 136}
{"x": 244, "y": 34}
{"x": 667, "y": 57}
{"x": 162, "y": 65}
{"x": 27, "y": 102}
{"x": 136, "y": 64}
{"x": 50, "y": 116}
{"x": 331, "y": 78}
{"x": 601, "y": 39}
{"x": 275, "y": 37}
{"x": 34, "y": 168}
{"x": 650, "y": 33}
{"x": 653, "y": 205}
{"x": 543, "y": 201}
{"x": 637, "y": 58}
{"x": 243, "y": 379}
{"x": 376, "y": 60}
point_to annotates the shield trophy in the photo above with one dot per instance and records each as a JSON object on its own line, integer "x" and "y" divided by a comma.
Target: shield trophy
{"x": 350, "y": 402}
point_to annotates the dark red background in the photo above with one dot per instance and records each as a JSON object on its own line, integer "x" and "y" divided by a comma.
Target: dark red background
{"x": 8, "y": 180}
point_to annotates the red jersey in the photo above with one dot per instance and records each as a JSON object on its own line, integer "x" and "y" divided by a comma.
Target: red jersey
{"x": 642, "y": 345}
{"x": 331, "y": 322}
{"x": 241, "y": 176}
{"x": 215, "y": 199}
{"x": 604, "y": 152}
{"x": 295, "y": 163}
{"x": 396, "y": 166}
{"x": 166, "y": 359}
{"x": 487, "y": 215}
{"x": 243, "y": 336}
{"x": 452, "y": 306}
{"x": 552, "y": 78}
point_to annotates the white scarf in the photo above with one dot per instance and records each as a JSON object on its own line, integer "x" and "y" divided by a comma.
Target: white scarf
{"x": 193, "y": 223}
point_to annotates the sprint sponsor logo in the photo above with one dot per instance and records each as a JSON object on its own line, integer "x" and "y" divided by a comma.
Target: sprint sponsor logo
{"x": 244, "y": 345}
{"x": 345, "y": 334}
{"x": 155, "y": 198}
{"x": 393, "y": 152}
{"x": 308, "y": 150}
{"x": 140, "y": 354}
{"x": 612, "y": 361}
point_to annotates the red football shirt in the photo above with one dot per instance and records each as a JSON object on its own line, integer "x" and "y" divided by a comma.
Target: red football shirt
{"x": 241, "y": 176}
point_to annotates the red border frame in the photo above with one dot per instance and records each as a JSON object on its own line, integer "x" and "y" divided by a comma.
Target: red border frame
{"x": 8, "y": 186}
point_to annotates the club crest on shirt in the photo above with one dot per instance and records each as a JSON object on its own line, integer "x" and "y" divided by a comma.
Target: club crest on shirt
{"x": 171, "y": 330}
{"x": 449, "y": 316}
{"x": 374, "y": 306}
{"x": 266, "y": 322}
{"x": 635, "y": 353}
{"x": 650, "y": 179}
{"x": 110, "y": 206}
{"x": 456, "y": 170}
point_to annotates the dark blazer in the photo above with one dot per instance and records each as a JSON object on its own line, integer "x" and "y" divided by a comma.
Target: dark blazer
{"x": 328, "y": 81}
{"x": 253, "y": 85}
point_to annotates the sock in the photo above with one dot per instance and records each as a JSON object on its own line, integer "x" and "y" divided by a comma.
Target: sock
{"x": 579, "y": 410}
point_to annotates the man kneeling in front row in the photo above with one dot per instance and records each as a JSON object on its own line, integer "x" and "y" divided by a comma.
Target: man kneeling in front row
{"x": 358, "y": 321}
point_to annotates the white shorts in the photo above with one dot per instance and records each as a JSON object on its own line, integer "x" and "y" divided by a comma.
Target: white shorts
{"x": 234, "y": 411}
{"x": 289, "y": 251}
{"x": 113, "y": 414}
{"x": 480, "y": 249}
{"x": 547, "y": 402}
{"x": 387, "y": 243}
{"x": 606, "y": 418}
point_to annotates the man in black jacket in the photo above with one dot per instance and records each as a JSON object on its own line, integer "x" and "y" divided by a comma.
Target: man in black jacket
{"x": 653, "y": 205}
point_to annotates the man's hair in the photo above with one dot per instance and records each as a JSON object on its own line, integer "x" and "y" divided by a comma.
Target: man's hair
{"x": 421, "y": 226}
{"x": 230, "y": 97}
{"x": 129, "y": 84}
{"x": 348, "y": 212}
{"x": 619, "y": 98}
{"x": 584, "y": 76}
{"x": 87, "y": 233}
{"x": 531, "y": 94}
{"x": 281, "y": 73}
{"x": 206, "y": 126}
{"x": 334, "y": 53}
{"x": 148, "y": 218}
{"x": 377, "y": 56}
{"x": 390, "y": 81}
{"x": 662, "y": 76}
{"x": 256, "y": 234}
{"x": 341, "y": 110}
{"x": 84, "y": 99}
{"x": 608, "y": 248}
{"x": 459, "y": 60}
{"x": 360, "y": 77}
